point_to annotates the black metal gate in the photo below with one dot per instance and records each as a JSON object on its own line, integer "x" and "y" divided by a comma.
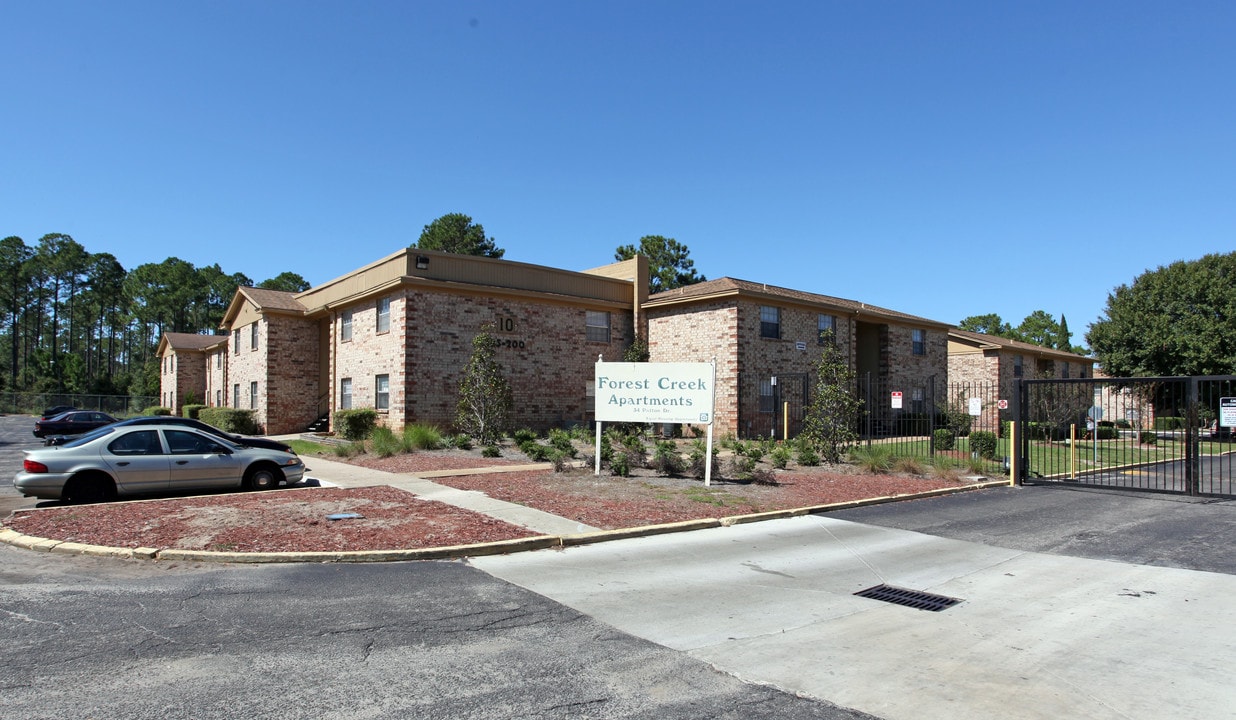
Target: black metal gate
{"x": 1162, "y": 434}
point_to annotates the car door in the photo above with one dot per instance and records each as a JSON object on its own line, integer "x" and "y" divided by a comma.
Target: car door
{"x": 138, "y": 462}
{"x": 200, "y": 461}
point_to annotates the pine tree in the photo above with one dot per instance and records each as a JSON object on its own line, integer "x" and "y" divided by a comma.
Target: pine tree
{"x": 484, "y": 394}
{"x": 832, "y": 418}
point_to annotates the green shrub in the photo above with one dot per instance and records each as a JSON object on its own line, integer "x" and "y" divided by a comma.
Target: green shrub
{"x": 491, "y": 451}
{"x": 1165, "y": 422}
{"x": 537, "y": 452}
{"x": 984, "y": 443}
{"x": 741, "y": 467}
{"x": 523, "y": 435}
{"x": 807, "y": 456}
{"x": 666, "y": 460}
{"x": 780, "y": 457}
{"x": 1106, "y": 432}
{"x": 355, "y": 424}
{"x": 192, "y": 411}
{"x": 421, "y": 436}
{"x": 1148, "y": 437}
{"x": 157, "y": 410}
{"x": 620, "y": 465}
{"x": 230, "y": 420}
{"x": 348, "y": 450}
{"x": 945, "y": 440}
{"x": 872, "y": 458}
{"x": 697, "y": 467}
{"x": 459, "y": 442}
{"x": 384, "y": 443}
{"x": 562, "y": 441}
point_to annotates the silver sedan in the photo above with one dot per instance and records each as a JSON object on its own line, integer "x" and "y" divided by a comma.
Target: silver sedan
{"x": 142, "y": 459}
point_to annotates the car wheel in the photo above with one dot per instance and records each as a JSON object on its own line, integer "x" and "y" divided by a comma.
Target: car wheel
{"x": 262, "y": 478}
{"x": 85, "y": 489}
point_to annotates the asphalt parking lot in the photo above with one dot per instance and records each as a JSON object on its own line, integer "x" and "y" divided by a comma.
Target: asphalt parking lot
{"x": 16, "y": 436}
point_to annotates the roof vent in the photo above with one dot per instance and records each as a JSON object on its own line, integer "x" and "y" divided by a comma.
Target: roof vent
{"x": 910, "y": 598}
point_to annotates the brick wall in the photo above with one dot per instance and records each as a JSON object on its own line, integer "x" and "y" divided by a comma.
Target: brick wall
{"x": 182, "y": 377}
{"x": 543, "y": 351}
{"x": 702, "y": 333}
{"x": 292, "y": 372}
{"x": 216, "y": 377}
{"x": 247, "y": 366}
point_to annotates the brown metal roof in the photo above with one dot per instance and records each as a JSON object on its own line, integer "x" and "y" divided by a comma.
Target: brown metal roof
{"x": 727, "y": 286}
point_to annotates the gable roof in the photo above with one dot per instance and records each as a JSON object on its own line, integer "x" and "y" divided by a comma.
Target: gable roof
{"x": 265, "y": 301}
{"x": 994, "y": 342}
{"x": 729, "y": 287}
{"x": 189, "y": 342}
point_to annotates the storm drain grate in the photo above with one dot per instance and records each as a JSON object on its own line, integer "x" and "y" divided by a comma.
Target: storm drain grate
{"x": 910, "y": 598}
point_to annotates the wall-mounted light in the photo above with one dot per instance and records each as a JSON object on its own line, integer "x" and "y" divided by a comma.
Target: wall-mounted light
{"x": 422, "y": 262}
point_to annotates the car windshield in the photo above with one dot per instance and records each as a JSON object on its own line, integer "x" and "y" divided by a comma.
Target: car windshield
{"x": 93, "y": 434}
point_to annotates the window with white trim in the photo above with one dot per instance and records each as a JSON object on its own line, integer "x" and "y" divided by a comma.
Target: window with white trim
{"x": 253, "y": 336}
{"x": 919, "y": 339}
{"x": 236, "y": 395}
{"x": 382, "y": 392}
{"x": 253, "y": 395}
{"x": 236, "y": 341}
{"x": 770, "y": 322}
{"x": 345, "y": 326}
{"x": 384, "y": 315}
{"x": 345, "y": 394}
{"x": 825, "y": 324}
{"x": 916, "y": 400}
{"x": 1017, "y": 366}
{"x": 596, "y": 326}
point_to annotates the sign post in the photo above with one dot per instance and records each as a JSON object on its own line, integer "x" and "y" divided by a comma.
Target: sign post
{"x": 670, "y": 393}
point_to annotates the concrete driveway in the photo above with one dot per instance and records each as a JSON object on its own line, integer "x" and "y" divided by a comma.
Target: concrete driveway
{"x": 1058, "y": 617}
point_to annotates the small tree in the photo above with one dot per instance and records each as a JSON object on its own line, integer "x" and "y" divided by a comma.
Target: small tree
{"x": 484, "y": 394}
{"x": 832, "y": 417}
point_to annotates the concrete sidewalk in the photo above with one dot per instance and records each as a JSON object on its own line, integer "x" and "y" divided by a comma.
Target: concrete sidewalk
{"x": 330, "y": 472}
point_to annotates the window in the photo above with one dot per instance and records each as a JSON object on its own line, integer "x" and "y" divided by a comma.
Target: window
{"x": 766, "y": 395}
{"x": 142, "y": 442}
{"x": 384, "y": 315}
{"x": 183, "y": 442}
{"x": 919, "y": 338}
{"x": 236, "y": 341}
{"x": 218, "y": 398}
{"x": 1064, "y": 371}
{"x": 253, "y": 336}
{"x": 916, "y": 400}
{"x": 382, "y": 395}
{"x": 1017, "y": 366}
{"x": 345, "y": 394}
{"x": 770, "y": 322}
{"x": 236, "y": 395}
{"x": 253, "y": 395}
{"x": 218, "y": 361}
{"x": 345, "y": 326}
{"x": 825, "y": 324}
{"x": 596, "y": 326}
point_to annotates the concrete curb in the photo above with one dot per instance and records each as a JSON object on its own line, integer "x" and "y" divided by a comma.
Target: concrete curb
{"x": 11, "y": 537}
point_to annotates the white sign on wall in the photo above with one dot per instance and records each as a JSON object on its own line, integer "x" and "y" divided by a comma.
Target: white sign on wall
{"x": 976, "y": 406}
{"x": 679, "y": 393}
{"x": 896, "y": 399}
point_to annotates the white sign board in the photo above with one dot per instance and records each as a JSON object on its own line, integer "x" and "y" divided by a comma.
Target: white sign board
{"x": 679, "y": 393}
{"x": 1227, "y": 412}
{"x": 976, "y": 406}
{"x": 896, "y": 399}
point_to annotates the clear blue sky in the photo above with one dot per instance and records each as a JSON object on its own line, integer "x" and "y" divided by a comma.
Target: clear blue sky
{"x": 944, "y": 159}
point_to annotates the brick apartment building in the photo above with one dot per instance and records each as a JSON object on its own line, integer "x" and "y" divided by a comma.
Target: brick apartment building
{"x": 396, "y": 334}
{"x": 978, "y": 360}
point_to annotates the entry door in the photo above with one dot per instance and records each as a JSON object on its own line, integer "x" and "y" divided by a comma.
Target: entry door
{"x": 138, "y": 462}
{"x": 200, "y": 462}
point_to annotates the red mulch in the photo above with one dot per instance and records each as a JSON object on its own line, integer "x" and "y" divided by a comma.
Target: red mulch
{"x": 296, "y": 519}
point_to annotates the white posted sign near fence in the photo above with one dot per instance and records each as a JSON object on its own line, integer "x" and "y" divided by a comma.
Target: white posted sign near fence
{"x": 680, "y": 393}
{"x": 674, "y": 393}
